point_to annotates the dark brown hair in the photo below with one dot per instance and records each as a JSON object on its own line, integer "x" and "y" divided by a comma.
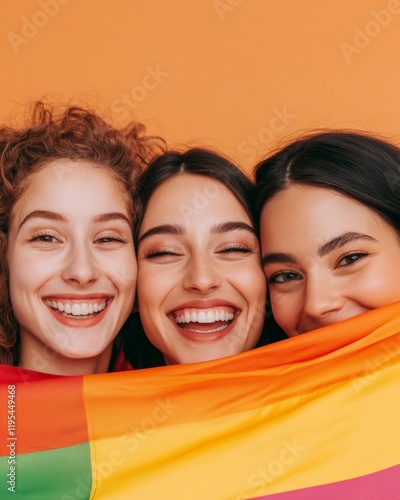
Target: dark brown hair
{"x": 357, "y": 165}
{"x": 197, "y": 161}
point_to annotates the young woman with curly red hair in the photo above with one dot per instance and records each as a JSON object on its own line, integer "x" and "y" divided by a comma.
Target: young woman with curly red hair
{"x": 67, "y": 258}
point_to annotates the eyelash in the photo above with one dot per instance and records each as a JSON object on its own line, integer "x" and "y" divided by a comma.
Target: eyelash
{"x": 273, "y": 280}
{"x": 44, "y": 238}
{"x": 110, "y": 238}
{"x": 40, "y": 236}
{"x": 229, "y": 249}
{"x": 236, "y": 247}
{"x": 151, "y": 254}
{"x": 359, "y": 256}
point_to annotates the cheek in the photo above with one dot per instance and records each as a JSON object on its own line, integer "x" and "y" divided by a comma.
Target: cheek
{"x": 285, "y": 309}
{"x": 25, "y": 277}
{"x": 23, "y": 286}
{"x": 378, "y": 288}
{"x": 123, "y": 271}
{"x": 150, "y": 297}
{"x": 151, "y": 284}
{"x": 250, "y": 282}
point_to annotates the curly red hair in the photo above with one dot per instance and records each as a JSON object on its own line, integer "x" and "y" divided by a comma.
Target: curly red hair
{"x": 73, "y": 133}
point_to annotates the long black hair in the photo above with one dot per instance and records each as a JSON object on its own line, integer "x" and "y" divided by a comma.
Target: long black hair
{"x": 357, "y": 165}
{"x": 200, "y": 161}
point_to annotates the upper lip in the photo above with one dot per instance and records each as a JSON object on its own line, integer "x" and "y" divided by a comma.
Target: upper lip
{"x": 77, "y": 297}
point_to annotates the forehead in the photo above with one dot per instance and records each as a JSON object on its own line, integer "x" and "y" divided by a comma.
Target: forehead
{"x": 314, "y": 214}
{"x": 192, "y": 197}
{"x": 62, "y": 170}
{"x": 66, "y": 185}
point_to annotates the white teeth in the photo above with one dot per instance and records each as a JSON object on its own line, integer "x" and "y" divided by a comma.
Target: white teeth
{"x": 205, "y": 316}
{"x": 222, "y": 327}
{"x": 84, "y": 309}
{"x": 77, "y": 309}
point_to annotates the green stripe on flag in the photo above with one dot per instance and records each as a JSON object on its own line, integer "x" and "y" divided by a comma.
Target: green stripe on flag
{"x": 63, "y": 474}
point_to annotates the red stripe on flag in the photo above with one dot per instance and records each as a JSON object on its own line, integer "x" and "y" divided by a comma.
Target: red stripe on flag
{"x": 45, "y": 419}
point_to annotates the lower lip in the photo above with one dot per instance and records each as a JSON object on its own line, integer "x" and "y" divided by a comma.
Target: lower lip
{"x": 205, "y": 336}
{"x": 80, "y": 323}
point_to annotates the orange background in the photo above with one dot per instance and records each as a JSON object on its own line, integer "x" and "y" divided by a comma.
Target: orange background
{"x": 237, "y": 75}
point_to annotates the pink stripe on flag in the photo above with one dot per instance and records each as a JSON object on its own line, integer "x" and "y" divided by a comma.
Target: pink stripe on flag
{"x": 380, "y": 485}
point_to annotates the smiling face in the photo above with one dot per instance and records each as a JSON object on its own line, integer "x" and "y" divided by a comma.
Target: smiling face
{"x": 327, "y": 258}
{"x": 201, "y": 289}
{"x": 72, "y": 267}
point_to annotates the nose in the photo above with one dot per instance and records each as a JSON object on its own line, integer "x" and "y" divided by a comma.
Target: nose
{"x": 80, "y": 266}
{"x": 201, "y": 274}
{"x": 322, "y": 301}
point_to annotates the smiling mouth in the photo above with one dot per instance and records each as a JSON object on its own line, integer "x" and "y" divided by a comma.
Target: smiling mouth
{"x": 204, "y": 320}
{"x": 78, "y": 310}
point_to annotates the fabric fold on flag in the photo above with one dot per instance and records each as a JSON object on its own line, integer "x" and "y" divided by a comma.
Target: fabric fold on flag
{"x": 308, "y": 417}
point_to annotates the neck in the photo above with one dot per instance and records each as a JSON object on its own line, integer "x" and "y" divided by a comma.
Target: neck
{"x": 48, "y": 361}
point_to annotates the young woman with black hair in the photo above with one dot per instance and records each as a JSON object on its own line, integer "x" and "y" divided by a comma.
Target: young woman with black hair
{"x": 329, "y": 207}
{"x": 201, "y": 290}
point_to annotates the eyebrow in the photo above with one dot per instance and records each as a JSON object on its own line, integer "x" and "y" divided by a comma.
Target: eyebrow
{"x": 339, "y": 241}
{"x": 226, "y": 227}
{"x": 46, "y": 214}
{"x": 43, "y": 214}
{"x": 174, "y": 229}
{"x": 110, "y": 216}
{"x": 342, "y": 240}
{"x": 178, "y": 230}
{"x": 277, "y": 258}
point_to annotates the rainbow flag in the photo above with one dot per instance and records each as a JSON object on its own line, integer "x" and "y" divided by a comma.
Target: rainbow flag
{"x": 312, "y": 417}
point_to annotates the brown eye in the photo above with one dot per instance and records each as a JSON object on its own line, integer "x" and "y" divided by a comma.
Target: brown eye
{"x": 284, "y": 277}
{"x": 110, "y": 239}
{"x": 351, "y": 258}
{"x": 43, "y": 238}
